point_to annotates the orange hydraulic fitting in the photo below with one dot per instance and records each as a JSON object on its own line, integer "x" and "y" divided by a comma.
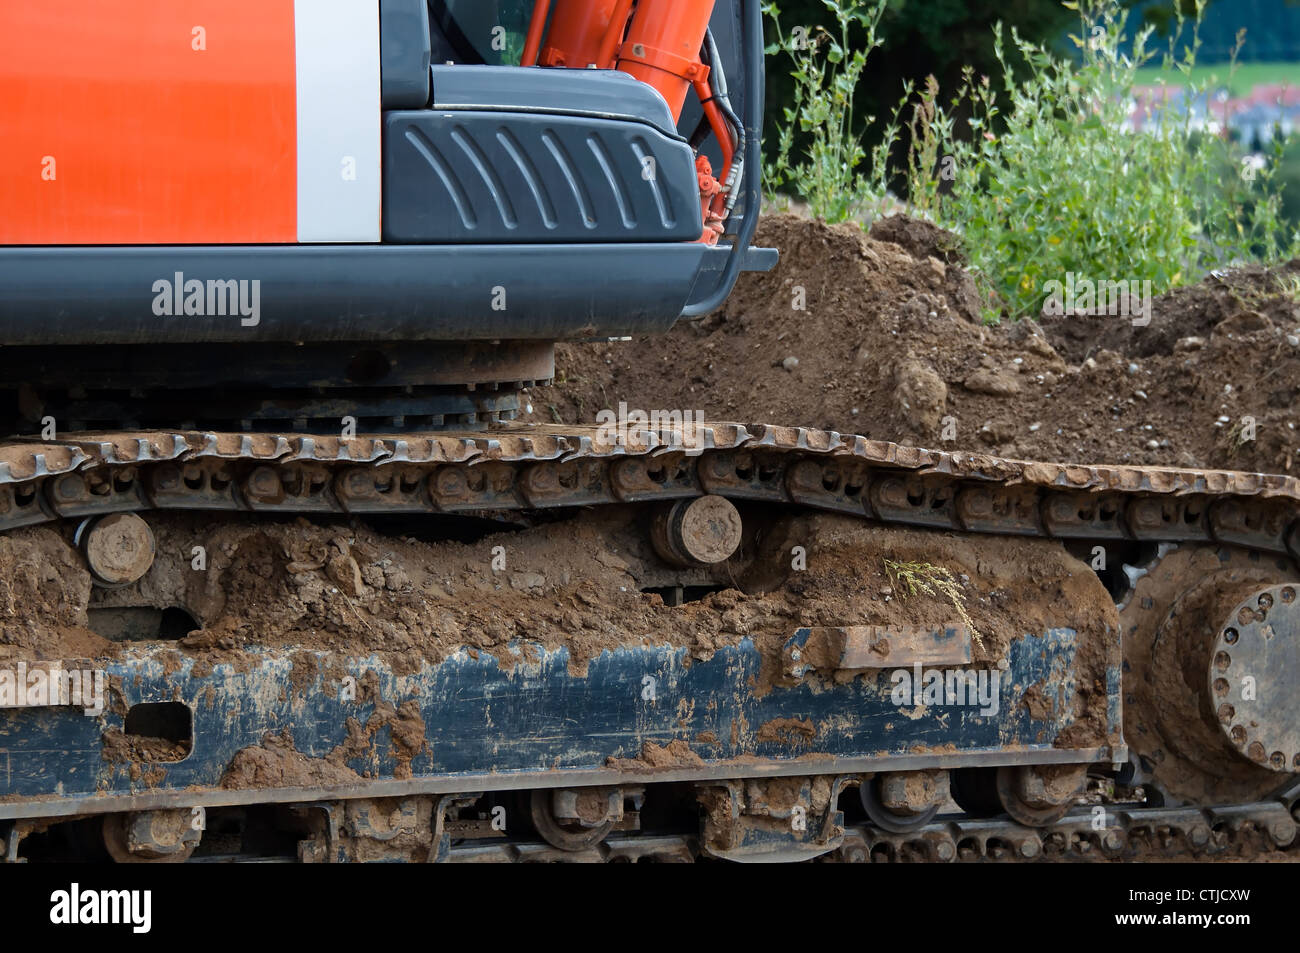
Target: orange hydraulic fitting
{"x": 710, "y": 192}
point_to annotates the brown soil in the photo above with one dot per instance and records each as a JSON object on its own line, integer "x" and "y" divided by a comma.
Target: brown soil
{"x": 891, "y": 346}
{"x": 44, "y": 590}
{"x": 119, "y": 747}
{"x": 676, "y": 754}
{"x": 275, "y": 763}
{"x": 787, "y": 730}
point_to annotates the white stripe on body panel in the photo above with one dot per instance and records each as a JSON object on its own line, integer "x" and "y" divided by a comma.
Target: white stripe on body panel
{"x": 339, "y": 174}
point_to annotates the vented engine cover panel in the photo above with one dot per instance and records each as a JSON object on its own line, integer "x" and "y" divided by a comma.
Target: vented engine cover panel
{"x": 503, "y": 177}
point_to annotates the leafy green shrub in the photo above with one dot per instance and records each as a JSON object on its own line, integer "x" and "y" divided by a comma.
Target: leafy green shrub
{"x": 1039, "y": 171}
{"x": 1057, "y": 182}
{"x": 916, "y": 38}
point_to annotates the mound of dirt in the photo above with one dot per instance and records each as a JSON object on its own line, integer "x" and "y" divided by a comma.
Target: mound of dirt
{"x": 880, "y": 334}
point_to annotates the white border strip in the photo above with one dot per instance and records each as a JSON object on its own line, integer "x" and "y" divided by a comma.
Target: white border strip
{"x": 339, "y": 174}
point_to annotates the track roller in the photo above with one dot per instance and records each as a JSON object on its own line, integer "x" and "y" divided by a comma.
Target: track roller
{"x": 575, "y": 819}
{"x": 119, "y": 548}
{"x": 903, "y": 801}
{"x": 167, "y": 837}
{"x": 1040, "y": 795}
{"x": 696, "y": 532}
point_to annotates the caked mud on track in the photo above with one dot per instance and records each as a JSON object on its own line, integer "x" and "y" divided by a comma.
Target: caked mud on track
{"x": 585, "y": 583}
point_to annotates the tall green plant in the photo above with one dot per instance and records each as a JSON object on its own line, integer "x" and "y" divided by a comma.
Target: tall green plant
{"x": 827, "y": 67}
{"x": 1058, "y": 181}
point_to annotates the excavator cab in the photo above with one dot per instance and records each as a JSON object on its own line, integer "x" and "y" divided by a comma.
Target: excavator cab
{"x": 363, "y": 210}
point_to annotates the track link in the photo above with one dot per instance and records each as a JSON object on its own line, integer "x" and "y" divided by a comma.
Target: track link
{"x": 546, "y": 467}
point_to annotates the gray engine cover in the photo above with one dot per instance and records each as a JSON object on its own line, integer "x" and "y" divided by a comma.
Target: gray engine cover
{"x": 499, "y": 176}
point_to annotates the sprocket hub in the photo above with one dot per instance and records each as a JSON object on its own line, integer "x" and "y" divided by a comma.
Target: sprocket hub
{"x": 1180, "y": 672}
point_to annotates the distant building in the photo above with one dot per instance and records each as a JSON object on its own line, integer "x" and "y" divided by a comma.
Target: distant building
{"x": 1272, "y": 35}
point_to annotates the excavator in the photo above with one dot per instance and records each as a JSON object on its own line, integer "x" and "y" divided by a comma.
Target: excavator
{"x": 284, "y": 577}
